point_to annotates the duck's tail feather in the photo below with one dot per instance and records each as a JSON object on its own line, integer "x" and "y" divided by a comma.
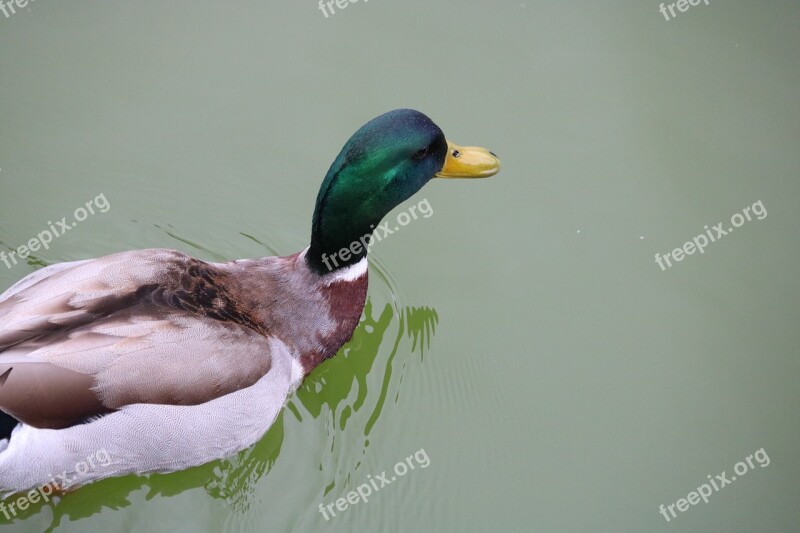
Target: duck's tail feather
{"x": 7, "y": 425}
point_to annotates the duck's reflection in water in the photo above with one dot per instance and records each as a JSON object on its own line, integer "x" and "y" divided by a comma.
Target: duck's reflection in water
{"x": 337, "y": 389}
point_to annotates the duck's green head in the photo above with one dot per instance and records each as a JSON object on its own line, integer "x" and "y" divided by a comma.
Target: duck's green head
{"x": 384, "y": 163}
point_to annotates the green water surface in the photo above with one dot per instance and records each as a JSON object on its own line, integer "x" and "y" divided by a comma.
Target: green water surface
{"x": 523, "y": 335}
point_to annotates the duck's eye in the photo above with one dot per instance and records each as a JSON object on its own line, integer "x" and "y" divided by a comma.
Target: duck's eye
{"x": 456, "y": 153}
{"x": 421, "y": 153}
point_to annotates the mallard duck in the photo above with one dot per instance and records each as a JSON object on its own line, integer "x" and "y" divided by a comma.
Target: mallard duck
{"x": 162, "y": 362}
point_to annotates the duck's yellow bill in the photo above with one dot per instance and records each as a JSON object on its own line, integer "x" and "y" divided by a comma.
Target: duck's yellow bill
{"x": 468, "y": 162}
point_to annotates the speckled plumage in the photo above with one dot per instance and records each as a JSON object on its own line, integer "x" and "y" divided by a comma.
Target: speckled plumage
{"x": 160, "y": 328}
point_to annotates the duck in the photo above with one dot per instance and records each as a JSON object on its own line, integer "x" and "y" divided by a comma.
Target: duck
{"x": 156, "y": 361}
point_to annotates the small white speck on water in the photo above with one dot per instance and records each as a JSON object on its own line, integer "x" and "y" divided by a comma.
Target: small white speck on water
{"x": 578, "y": 232}
{"x": 641, "y": 237}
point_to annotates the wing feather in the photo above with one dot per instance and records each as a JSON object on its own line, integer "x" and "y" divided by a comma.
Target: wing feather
{"x": 127, "y": 328}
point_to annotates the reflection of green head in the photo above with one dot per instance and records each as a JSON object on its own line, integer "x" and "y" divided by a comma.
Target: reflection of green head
{"x": 384, "y": 163}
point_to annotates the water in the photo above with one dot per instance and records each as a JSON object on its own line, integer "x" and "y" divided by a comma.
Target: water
{"x": 522, "y": 336}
